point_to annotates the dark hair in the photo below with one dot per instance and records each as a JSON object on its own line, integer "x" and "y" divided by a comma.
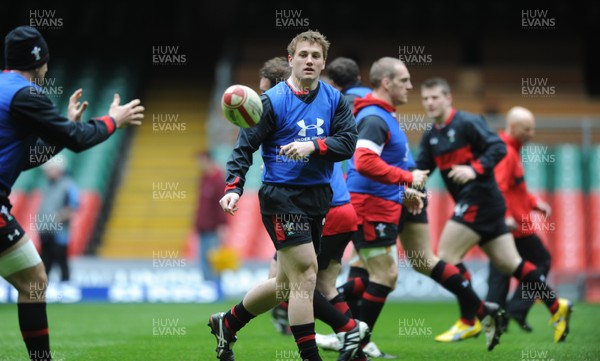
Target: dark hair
{"x": 276, "y": 69}
{"x": 343, "y": 72}
{"x": 433, "y": 82}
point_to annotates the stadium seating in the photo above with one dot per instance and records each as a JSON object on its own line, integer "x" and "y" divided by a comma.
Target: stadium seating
{"x": 155, "y": 205}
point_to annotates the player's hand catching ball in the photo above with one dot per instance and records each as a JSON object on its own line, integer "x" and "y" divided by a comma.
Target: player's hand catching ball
{"x": 229, "y": 201}
{"x": 126, "y": 114}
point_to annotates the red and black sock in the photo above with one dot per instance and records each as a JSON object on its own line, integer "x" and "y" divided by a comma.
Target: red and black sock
{"x": 464, "y": 271}
{"x": 339, "y": 303}
{"x": 237, "y": 317}
{"x": 450, "y": 278}
{"x": 533, "y": 285}
{"x": 305, "y": 339}
{"x": 373, "y": 300}
{"x": 352, "y": 290}
{"x": 33, "y": 323}
{"x": 325, "y": 312}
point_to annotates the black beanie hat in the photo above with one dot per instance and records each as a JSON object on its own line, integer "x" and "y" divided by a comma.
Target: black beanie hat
{"x": 24, "y": 49}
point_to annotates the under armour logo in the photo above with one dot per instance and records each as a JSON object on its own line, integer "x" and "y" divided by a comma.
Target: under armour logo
{"x": 460, "y": 209}
{"x": 36, "y": 52}
{"x": 16, "y": 233}
{"x": 381, "y": 229}
{"x": 304, "y": 127}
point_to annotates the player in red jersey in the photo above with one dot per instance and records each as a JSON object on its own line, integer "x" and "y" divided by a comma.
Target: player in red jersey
{"x": 520, "y": 128}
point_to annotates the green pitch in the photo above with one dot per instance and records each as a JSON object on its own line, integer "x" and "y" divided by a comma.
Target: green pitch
{"x": 173, "y": 332}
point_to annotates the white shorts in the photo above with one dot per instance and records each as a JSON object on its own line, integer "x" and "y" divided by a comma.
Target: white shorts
{"x": 19, "y": 259}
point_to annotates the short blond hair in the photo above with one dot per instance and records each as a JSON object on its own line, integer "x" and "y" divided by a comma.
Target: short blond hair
{"x": 311, "y": 37}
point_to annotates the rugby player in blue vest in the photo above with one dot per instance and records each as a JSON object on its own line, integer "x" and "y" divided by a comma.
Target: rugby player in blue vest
{"x": 466, "y": 151}
{"x": 31, "y": 132}
{"x": 340, "y": 224}
{"x": 376, "y": 176}
{"x": 306, "y": 126}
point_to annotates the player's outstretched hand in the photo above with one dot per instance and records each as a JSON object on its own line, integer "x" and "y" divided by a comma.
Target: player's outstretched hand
{"x": 76, "y": 108}
{"x": 419, "y": 178}
{"x": 126, "y": 114}
{"x": 229, "y": 201}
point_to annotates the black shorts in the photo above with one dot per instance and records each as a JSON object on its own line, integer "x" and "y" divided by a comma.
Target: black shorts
{"x": 332, "y": 248}
{"x": 485, "y": 218}
{"x": 406, "y": 216}
{"x": 10, "y": 230}
{"x": 288, "y": 230}
{"x": 375, "y": 234}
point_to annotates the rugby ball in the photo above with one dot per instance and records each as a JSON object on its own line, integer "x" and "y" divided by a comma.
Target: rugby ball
{"x": 241, "y": 106}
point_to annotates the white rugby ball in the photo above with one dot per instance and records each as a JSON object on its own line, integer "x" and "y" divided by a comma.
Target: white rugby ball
{"x": 241, "y": 106}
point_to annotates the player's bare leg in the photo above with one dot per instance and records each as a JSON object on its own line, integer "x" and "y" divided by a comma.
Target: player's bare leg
{"x": 299, "y": 264}
{"x": 416, "y": 243}
{"x": 327, "y": 278}
{"x": 279, "y": 313}
{"x": 505, "y": 257}
{"x": 22, "y": 268}
{"x": 455, "y": 241}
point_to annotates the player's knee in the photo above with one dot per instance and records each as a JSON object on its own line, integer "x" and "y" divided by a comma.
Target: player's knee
{"x": 506, "y": 266}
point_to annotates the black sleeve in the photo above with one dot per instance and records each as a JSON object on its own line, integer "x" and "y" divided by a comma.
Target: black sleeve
{"x": 248, "y": 142}
{"x": 44, "y": 152}
{"x": 34, "y": 109}
{"x": 374, "y": 129}
{"x": 340, "y": 145}
{"x": 425, "y": 159}
{"x": 490, "y": 147}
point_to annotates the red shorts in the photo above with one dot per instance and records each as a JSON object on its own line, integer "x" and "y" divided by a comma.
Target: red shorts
{"x": 340, "y": 219}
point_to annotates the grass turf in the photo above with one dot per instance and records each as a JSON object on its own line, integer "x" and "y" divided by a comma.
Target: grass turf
{"x": 173, "y": 332}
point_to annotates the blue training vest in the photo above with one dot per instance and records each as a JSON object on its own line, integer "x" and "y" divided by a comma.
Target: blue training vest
{"x": 298, "y": 121}
{"x": 338, "y": 184}
{"x": 395, "y": 153}
{"x": 359, "y": 91}
{"x": 15, "y": 139}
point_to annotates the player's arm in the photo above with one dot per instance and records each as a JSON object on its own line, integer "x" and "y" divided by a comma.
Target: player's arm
{"x": 492, "y": 148}
{"x": 425, "y": 160}
{"x": 373, "y": 134}
{"x": 33, "y": 108}
{"x": 248, "y": 142}
{"x": 505, "y": 175}
{"x": 46, "y": 149}
{"x": 340, "y": 145}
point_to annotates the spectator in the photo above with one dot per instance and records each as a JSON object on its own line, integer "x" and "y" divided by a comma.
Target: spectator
{"x": 60, "y": 201}
{"x": 209, "y": 218}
